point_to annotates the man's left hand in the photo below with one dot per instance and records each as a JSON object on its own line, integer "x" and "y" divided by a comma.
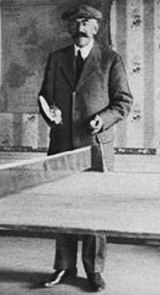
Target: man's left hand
{"x": 95, "y": 125}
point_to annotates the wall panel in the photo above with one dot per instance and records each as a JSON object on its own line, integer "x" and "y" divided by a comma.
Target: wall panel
{"x": 135, "y": 70}
{"x": 156, "y": 140}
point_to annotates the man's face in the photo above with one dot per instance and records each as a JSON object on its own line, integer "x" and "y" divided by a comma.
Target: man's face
{"x": 83, "y": 30}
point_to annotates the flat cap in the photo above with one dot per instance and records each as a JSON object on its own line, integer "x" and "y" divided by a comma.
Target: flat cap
{"x": 83, "y": 11}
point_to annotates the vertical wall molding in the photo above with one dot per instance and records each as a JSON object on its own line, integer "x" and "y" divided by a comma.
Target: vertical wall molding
{"x": 135, "y": 67}
{"x": 149, "y": 72}
{"x": 121, "y": 45}
{"x": 0, "y": 45}
{"x": 157, "y": 75}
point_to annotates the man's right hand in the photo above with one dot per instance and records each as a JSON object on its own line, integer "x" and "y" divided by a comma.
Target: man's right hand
{"x": 56, "y": 115}
{"x": 53, "y": 113}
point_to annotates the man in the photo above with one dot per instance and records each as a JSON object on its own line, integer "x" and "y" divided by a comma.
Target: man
{"x": 86, "y": 91}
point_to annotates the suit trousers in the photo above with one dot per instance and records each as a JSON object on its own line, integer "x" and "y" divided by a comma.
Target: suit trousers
{"x": 93, "y": 252}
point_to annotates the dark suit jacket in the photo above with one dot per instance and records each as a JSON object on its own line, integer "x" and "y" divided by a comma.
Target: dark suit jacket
{"x": 102, "y": 89}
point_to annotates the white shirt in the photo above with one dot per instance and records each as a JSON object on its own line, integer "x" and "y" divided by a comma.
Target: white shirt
{"x": 85, "y": 51}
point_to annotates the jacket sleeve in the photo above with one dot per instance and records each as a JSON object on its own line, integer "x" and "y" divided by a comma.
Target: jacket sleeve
{"x": 120, "y": 96}
{"x": 47, "y": 88}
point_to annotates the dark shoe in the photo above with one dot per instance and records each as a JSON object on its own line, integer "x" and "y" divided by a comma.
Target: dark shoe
{"x": 59, "y": 276}
{"x": 96, "y": 281}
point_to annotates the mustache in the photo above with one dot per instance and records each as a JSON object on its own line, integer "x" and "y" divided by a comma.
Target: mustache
{"x": 80, "y": 34}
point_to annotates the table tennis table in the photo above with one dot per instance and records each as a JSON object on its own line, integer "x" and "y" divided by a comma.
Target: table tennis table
{"x": 61, "y": 193}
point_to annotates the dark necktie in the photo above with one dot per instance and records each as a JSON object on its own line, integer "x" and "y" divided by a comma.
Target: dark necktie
{"x": 79, "y": 65}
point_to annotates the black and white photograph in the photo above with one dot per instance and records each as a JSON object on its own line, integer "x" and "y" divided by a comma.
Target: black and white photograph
{"x": 79, "y": 147}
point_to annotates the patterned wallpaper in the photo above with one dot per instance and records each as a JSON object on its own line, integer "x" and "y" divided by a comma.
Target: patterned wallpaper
{"x": 135, "y": 31}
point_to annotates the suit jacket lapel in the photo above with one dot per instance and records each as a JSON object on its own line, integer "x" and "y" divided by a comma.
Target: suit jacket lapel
{"x": 68, "y": 66}
{"x": 91, "y": 65}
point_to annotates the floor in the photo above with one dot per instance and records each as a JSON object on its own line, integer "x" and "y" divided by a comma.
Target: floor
{"x": 25, "y": 262}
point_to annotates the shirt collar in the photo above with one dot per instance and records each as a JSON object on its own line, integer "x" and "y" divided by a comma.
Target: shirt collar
{"x": 84, "y": 50}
